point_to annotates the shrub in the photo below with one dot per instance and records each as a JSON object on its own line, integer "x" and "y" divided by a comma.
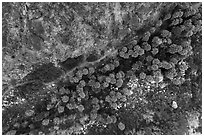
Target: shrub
{"x": 146, "y": 46}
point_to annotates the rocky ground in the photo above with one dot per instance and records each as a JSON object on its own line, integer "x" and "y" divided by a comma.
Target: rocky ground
{"x": 102, "y": 68}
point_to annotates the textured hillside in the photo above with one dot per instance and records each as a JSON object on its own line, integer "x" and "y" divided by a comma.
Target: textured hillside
{"x": 102, "y": 68}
